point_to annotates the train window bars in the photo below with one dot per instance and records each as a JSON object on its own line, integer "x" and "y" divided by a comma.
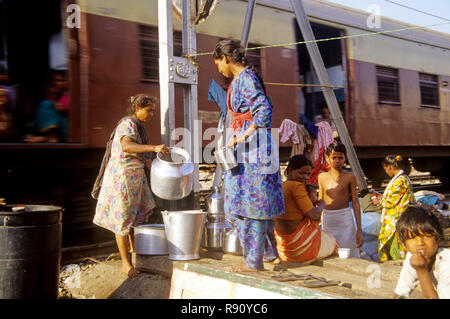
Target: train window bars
{"x": 429, "y": 89}
{"x": 388, "y": 85}
{"x": 149, "y": 48}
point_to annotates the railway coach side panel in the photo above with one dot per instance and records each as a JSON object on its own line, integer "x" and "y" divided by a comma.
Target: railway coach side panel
{"x": 406, "y": 123}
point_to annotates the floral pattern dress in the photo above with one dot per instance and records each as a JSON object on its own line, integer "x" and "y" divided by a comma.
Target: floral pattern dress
{"x": 397, "y": 196}
{"x": 253, "y": 189}
{"x": 253, "y": 193}
{"x": 125, "y": 199}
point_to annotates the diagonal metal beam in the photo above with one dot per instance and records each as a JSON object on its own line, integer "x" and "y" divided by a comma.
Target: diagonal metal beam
{"x": 330, "y": 97}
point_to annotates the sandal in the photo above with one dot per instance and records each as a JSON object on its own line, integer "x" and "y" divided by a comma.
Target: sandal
{"x": 309, "y": 280}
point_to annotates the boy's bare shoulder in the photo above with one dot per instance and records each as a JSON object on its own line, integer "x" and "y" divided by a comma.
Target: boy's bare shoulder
{"x": 348, "y": 177}
{"x": 323, "y": 175}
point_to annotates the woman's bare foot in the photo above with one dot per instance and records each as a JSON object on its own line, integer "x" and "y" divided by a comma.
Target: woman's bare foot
{"x": 276, "y": 261}
{"x": 130, "y": 271}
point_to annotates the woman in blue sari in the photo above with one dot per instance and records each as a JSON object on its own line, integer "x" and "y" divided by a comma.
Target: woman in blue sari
{"x": 252, "y": 190}
{"x": 51, "y": 125}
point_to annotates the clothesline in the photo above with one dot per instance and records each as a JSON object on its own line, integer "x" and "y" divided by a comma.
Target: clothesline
{"x": 304, "y": 85}
{"x": 331, "y": 39}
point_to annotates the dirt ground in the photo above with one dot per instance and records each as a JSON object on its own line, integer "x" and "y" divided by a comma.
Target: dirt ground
{"x": 103, "y": 279}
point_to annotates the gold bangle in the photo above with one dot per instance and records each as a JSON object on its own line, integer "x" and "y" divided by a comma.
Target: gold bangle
{"x": 235, "y": 140}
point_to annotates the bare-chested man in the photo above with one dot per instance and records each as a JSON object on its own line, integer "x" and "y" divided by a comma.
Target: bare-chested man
{"x": 335, "y": 187}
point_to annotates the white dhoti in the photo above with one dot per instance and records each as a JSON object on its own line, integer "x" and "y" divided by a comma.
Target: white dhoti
{"x": 341, "y": 224}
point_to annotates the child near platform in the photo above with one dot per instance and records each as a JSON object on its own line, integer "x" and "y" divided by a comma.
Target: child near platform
{"x": 419, "y": 231}
{"x": 336, "y": 187}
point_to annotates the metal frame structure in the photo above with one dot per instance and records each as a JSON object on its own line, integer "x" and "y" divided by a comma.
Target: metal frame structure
{"x": 330, "y": 97}
{"x": 177, "y": 70}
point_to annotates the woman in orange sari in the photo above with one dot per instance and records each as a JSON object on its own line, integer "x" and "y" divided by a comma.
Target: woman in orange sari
{"x": 297, "y": 232}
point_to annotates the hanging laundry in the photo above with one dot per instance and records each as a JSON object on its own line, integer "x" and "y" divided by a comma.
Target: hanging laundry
{"x": 305, "y": 142}
{"x": 324, "y": 139}
{"x": 219, "y": 96}
{"x": 288, "y": 131}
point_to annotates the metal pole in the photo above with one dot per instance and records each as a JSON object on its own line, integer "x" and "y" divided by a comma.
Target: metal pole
{"x": 193, "y": 146}
{"x": 328, "y": 92}
{"x": 167, "y": 88}
{"x": 247, "y": 23}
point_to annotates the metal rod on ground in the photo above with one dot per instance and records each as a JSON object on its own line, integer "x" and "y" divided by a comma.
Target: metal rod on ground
{"x": 328, "y": 93}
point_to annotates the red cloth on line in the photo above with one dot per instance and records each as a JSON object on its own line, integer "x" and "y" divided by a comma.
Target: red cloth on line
{"x": 321, "y": 165}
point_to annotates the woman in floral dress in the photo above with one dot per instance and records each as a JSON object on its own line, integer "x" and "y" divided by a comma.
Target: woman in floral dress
{"x": 253, "y": 193}
{"x": 125, "y": 199}
{"x": 396, "y": 197}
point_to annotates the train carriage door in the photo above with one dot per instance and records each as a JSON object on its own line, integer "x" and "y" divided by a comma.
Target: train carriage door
{"x": 34, "y": 71}
{"x": 312, "y": 97}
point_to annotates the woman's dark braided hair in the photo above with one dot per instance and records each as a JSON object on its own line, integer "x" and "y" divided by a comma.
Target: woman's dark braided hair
{"x": 397, "y": 161}
{"x": 233, "y": 49}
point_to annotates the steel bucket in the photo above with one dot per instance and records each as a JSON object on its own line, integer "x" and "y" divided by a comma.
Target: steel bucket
{"x": 225, "y": 158}
{"x": 151, "y": 239}
{"x": 184, "y": 231}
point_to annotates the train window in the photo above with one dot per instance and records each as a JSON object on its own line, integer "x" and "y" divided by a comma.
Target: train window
{"x": 429, "y": 89}
{"x": 148, "y": 40}
{"x": 388, "y": 85}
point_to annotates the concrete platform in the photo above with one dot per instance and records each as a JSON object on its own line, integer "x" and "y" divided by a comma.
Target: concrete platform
{"x": 210, "y": 277}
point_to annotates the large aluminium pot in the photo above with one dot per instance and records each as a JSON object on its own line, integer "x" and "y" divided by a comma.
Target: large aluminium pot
{"x": 171, "y": 174}
{"x": 150, "y": 239}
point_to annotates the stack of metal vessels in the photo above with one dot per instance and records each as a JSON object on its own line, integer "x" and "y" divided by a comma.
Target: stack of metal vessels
{"x": 219, "y": 234}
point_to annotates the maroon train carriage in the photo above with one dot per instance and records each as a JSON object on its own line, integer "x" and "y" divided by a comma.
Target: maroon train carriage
{"x": 392, "y": 88}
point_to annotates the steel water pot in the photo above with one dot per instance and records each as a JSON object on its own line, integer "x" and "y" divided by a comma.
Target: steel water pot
{"x": 214, "y": 202}
{"x": 172, "y": 174}
{"x": 225, "y": 158}
{"x": 231, "y": 243}
{"x": 214, "y": 232}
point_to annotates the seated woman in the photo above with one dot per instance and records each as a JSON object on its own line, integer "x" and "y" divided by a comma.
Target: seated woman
{"x": 298, "y": 234}
{"x": 51, "y": 125}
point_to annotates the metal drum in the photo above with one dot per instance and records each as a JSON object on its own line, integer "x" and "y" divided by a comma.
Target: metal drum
{"x": 30, "y": 251}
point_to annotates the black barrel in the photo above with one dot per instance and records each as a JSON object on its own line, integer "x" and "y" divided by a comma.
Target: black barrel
{"x": 30, "y": 251}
